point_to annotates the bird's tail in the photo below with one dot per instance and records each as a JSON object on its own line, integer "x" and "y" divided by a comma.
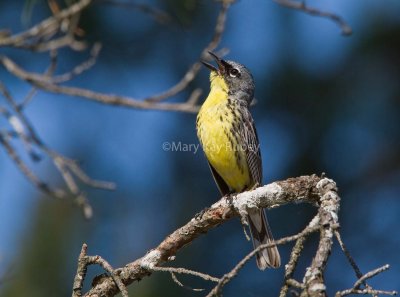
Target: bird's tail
{"x": 261, "y": 234}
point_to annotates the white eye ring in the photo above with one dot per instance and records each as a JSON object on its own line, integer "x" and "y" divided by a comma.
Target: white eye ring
{"x": 234, "y": 72}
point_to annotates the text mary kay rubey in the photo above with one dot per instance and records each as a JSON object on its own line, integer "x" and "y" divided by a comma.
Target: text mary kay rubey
{"x": 179, "y": 146}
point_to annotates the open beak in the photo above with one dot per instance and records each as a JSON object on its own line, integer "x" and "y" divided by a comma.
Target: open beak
{"x": 221, "y": 64}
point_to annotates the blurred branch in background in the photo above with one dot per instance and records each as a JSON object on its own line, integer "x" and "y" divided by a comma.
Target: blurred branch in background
{"x": 62, "y": 30}
{"x": 318, "y": 191}
{"x": 44, "y": 36}
{"x": 302, "y": 6}
{"x": 69, "y": 169}
{"x": 157, "y": 14}
{"x": 53, "y": 33}
{"x": 59, "y": 31}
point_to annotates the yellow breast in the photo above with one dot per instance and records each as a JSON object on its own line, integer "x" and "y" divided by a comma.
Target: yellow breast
{"x": 214, "y": 129}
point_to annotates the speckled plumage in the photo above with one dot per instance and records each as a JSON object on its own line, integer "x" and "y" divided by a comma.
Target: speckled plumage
{"x": 229, "y": 139}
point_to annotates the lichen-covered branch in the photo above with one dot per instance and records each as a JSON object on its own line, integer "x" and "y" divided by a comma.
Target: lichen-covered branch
{"x": 293, "y": 190}
{"x": 318, "y": 191}
{"x": 83, "y": 262}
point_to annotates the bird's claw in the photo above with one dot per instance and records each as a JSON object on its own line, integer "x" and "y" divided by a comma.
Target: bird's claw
{"x": 198, "y": 216}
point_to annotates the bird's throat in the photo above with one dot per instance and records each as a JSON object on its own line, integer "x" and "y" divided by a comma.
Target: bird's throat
{"x": 218, "y": 82}
{"x": 218, "y": 92}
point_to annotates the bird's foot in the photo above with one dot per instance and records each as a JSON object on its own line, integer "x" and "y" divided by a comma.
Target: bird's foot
{"x": 255, "y": 186}
{"x": 198, "y": 216}
{"x": 229, "y": 198}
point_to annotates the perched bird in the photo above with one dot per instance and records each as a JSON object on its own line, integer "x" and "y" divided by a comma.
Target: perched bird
{"x": 229, "y": 140}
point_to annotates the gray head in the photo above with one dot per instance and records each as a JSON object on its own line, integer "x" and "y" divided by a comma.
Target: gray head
{"x": 236, "y": 76}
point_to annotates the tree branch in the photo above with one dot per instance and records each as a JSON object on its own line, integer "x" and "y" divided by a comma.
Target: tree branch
{"x": 48, "y": 27}
{"x": 31, "y": 38}
{"x": 68, "y": 168}
{"x": 292, "y": 190}
{"x": 318, "y": 191}
{"x": 301, "y": 6}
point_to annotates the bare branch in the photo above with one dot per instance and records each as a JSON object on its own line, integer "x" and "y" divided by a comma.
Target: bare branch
{"x": 80, "y": 273}
{"x": 26, "y": 171}
{"x": 293, "y": 190}
{"x": 174, "y": 270}
{"x": 50, "y": 84}
{"x": 319, "y": 191}
{"x": 158, "y": 15}
{"x": 67, "y": 168}
{"x": 49, "y": 72}
{"x": 216, "y": 291}
{"x": 176, "y": 280}
{"x": 187, "y": 271}
{"x": 301, "y": 5}
{"x": 83, "y": 262}
{"x": 195, "y": 68}
{"x": 370, "y": 274}
{"x": 79, "y": 69}
{"x": 368, "y": 290}
{"x": 294, "y": 257}
{"x": 45, "y": 30}
{"x": 328, "y": 215}
{"x": 348, "y": 256}
{"x": 42, "y": 82}
{"x": 365, "y": 292}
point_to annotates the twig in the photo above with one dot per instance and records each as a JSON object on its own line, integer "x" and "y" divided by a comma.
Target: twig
{"x": 47, "y": 28}
{"x": 351, "y": 261}
{"x": 50, "y": 84}
{"x": 83, "y": 262}
{"x": 301, "y": 5}
{"x": 80, "y": 273}
{"x": 66, "y": 167}
{"x": 159, "y": 15}
{"x": 26, "y": 171}
{"x": 41, "y": 82}
{"x": 204, "y": 276}
{"x": 81, "y": 175}
{"x": 176, "y": 280}
{"x": 356, "y": 287}
{"x": 49, "y": 72}
{"x": 216, "y": 291}
{"x": 370, "y": 274}
{"x": 107, "y": 267}
{"x": 365, "y": 292}
{"x": 17, "y": 125}
{"x": 294, "y": 257}
{"x": 348, "y": 256}
{"x": 79, "y": 69}
{"x": 174, "y": 270}
{"x": 195, "y": 68}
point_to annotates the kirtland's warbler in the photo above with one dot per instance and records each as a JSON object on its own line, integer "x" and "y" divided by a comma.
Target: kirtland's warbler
{"x": 229, "y": 139}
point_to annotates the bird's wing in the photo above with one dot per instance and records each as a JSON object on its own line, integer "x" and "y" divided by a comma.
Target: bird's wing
{"x": 222, "y": 186}
{"x": 253, "y": 155}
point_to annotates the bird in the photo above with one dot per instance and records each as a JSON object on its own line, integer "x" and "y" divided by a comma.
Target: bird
{"x": 229, "y": 139}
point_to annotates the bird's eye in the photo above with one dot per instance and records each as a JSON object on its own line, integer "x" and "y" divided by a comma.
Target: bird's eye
{"x": 234, "y": 72}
